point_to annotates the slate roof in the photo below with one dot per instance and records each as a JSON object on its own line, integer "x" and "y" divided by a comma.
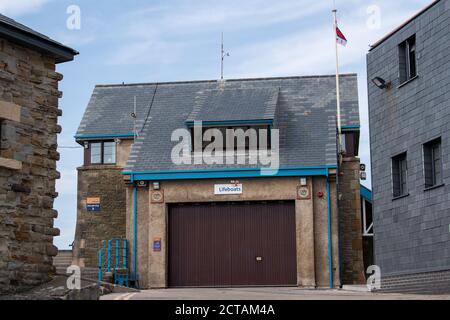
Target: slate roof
{"x": 305, "y": 116}
{"x": 22, "y": 34}
{"x": 228, "y": 105}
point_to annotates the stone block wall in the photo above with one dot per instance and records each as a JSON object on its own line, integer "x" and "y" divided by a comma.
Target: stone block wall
{"x": 28, "y": 156}
{"x": 107, "y": 183}
{"x": 350, "y": 224}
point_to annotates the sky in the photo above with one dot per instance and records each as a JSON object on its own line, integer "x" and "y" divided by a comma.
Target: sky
{"x": 169, "y": 40}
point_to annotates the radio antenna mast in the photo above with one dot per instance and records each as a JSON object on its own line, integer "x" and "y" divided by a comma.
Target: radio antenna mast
{"x": 223, "y": 54}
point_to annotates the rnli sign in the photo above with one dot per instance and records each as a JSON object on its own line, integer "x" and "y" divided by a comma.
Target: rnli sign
{"x": 227, "y": 189}
{"x": 93, "y": 204}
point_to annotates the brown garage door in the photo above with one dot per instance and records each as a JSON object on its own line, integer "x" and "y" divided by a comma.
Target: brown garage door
{"x": 232, "y": 244}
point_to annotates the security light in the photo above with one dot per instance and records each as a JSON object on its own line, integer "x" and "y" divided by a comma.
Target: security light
{"x": 303, "y": 182}
{"x": 156, "y": 186}
{"x": 380, "y": 83}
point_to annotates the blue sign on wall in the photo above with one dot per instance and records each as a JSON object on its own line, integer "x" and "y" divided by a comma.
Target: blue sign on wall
{"x": 93, "y": 207}
{"x": 157, "y": 244}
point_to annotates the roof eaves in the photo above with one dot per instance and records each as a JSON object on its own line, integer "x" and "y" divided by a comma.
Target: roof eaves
{"x": 27, "y": 37}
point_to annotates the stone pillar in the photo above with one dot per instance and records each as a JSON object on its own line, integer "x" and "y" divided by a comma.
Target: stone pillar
{"x": 94, "y": 229}
{"x": 350, "y": 222}
{"x": 157, "y": 260}
{"x": 304, "y": 212}
{"x": 28, "y": 155}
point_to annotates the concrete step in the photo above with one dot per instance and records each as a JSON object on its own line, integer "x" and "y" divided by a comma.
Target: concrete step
{"x": 63, "y": 259}
{"x": 66, "y": 262}
{"x": 356, "y": 288}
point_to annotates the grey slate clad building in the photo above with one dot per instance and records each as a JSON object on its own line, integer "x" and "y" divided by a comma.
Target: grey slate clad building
{"x": 158, "y": 203}
{"x": 410, "y": 145}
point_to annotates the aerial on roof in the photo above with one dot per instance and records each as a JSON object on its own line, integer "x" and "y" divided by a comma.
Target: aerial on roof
{"x": 302, "y": 108}
{"x": 26, "y": 36}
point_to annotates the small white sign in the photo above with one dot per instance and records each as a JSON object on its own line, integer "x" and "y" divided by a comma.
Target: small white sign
{"x": 224, "y": 189}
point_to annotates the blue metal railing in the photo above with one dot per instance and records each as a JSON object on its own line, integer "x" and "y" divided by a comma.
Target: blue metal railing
{"x": 112, "y": 257}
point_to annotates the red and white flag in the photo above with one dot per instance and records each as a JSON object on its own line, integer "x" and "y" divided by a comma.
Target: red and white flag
{"x": 340, "y": 38}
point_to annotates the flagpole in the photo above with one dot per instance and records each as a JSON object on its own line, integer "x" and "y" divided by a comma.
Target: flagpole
{"x": 338, "y": 95}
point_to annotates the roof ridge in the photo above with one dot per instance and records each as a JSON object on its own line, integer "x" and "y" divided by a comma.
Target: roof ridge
{"x": 216, "y": 81}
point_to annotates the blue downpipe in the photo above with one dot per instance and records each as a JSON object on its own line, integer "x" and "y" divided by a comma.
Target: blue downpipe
{"x": 100, "y": 262}
{"x": 330, "y": 241}
{"x": 109, "y": 256}
{"x": 117, "y": 254}
{"x": 125, "y": 254}
{"x": 135, "y": 229}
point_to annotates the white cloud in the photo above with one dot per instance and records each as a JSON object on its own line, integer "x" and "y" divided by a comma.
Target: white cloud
{"x": 311, "y": 51}
{"x": 157, "y": 34}
{"x": 240, "y": 14}
{"x": 20, "y": 7}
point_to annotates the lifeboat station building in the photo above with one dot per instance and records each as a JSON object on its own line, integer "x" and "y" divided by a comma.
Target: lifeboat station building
{"x": 191, "y": 220}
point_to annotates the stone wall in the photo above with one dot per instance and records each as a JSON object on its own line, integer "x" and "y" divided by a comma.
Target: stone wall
{"x": 28, "y": 154}
{"x": 105, "y": 182}
{"x": 350, "y": 223}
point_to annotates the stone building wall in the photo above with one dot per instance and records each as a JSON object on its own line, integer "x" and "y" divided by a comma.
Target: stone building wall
{"x": 28, "y": 154}
{"x": 311, "y": 220}
{"x": 351, "y": 242}
{"x": 107, "y": 183}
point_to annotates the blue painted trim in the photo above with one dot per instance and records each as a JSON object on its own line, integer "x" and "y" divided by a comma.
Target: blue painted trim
{"x": 117, "y": 254}
{"x": 100, "y": 136}
{"x": 330, "y": 243}
{"x": 228, "y": 173}
{"x": 125, "y": 254}
{"x": 357, "y": 127}
{"x": 135, "y": 229}
{"x": 366, "y": 194}
{"x": 231, "y": 122}
{"x": 100, "y": 266}
{"x": 109, "y": 256}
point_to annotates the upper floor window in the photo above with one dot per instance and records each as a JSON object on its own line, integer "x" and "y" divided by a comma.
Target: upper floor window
{"x": 408, "y": 59}
{"x": 350, "y": 143}
{"x": 242, "y": 138}
{"x": 400, "y": 175}
{"x": 103, "y": 152}
{"x": 433, "y": 163}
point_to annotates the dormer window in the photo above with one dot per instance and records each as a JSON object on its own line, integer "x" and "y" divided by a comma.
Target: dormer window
{"x": 234, "y": 138}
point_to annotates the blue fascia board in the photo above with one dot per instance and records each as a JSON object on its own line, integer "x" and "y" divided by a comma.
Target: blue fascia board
{"x": 228, "y": 173}
{"x": 101, "y": 136}
{"x": 231, "y": 122}
{"x": 366, "y": 194}
{"x": 351, "y": 127}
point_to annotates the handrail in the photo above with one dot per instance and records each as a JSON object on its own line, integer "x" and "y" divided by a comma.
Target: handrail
{"x": 112, "y": 255}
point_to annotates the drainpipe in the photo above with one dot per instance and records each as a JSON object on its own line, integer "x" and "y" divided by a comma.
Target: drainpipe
{"x": 134, "y": 227}
{"x": 330, "y": 243}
